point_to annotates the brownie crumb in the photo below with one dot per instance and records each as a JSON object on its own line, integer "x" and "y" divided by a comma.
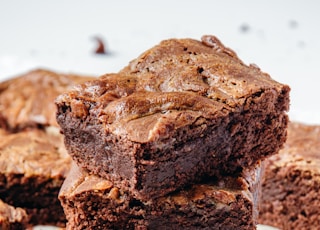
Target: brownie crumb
{"x": 100, "y": 49}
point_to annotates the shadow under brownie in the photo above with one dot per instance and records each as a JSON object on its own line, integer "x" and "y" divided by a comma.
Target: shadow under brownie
{"x": 182, "y": 110}
{"x": 91, "y": 202}
{"x": 291, "y": 186}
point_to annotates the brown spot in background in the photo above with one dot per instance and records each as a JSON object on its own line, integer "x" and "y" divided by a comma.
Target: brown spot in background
{"x": 293, "y": 24}
{"x": 244, "y": 28}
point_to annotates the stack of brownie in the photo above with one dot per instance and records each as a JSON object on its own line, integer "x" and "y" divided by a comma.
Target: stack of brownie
{"x": 173, "y": 140}
{"x": 33, "y": 159}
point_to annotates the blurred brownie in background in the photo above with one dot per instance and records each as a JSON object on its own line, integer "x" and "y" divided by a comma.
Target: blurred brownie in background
{"x": 33, "y": 166}
{"x": 33, "y": 159}
{"x": 12, "y": 218}
{"x": 291, "y": 186}
{"x": 27, "y": 101}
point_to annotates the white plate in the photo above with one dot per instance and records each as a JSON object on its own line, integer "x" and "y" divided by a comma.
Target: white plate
{"x": 265, "y": 227}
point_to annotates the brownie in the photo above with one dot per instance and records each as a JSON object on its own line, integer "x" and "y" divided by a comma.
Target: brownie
{"x": 12, "y": 218}
{"x": 182, "y": 110}
{"x": 91, "y": 202}
{"x": 33, "y": 166}
{"x": 28, "y": 100}
{"x": 291, "y": 186}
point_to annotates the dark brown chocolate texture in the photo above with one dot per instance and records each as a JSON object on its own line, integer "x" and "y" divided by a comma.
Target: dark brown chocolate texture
{"x": 291, "y": 186}
{"x": 181, "y": 110}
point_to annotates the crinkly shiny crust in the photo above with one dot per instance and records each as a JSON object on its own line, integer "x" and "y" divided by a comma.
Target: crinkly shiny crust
{"x": 177, "y": 75}
{"x": 28, "y": 100}
{"x": 181, "y": 110}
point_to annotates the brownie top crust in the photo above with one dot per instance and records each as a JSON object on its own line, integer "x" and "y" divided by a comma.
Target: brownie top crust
{"x": 302, "y": 149}
{"x": 34, "y": 152}
{"x": 172, "y": 85}
{"x": 28, "y": 100}
{"x": 10, "y": 215}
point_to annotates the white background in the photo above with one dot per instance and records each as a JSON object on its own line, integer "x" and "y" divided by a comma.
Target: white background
{"x": 281, "y": 37}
